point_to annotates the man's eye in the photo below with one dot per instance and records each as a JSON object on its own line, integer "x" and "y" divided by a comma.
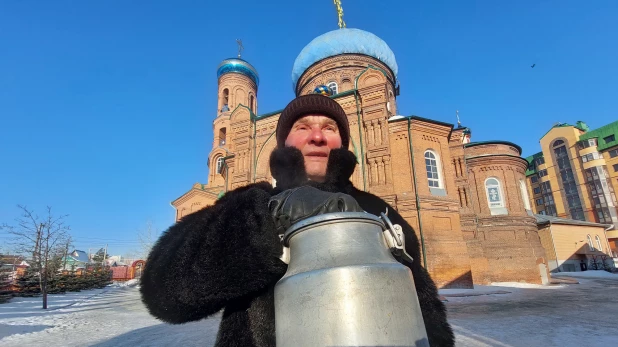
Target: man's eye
{"x": 302, "y": 127}
{"x": 330, "y": 128}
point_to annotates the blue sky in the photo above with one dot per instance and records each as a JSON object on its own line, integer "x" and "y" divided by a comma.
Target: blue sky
{"x": 106, "y": 106}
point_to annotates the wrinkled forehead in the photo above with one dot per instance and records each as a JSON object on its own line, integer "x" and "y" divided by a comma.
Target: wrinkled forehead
{"x": 319, "y": 119}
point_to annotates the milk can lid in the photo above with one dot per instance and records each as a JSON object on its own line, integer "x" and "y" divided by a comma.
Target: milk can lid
{"x": 331, "y": 218}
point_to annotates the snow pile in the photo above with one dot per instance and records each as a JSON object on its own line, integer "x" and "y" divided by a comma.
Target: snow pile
{"x": 495, "y": 288}
{"x": 130, "y": 283}
{"x": 524, "y": 285}
{"x": 588, "y": 274}
{"x": 477, "y": 290}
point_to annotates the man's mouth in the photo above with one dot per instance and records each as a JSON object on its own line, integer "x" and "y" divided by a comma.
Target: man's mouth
{"x": 317, "y": 154}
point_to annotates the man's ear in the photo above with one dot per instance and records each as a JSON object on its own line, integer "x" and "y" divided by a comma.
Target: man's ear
{"x": 287, "y": 166}
{"x": 341, "y": 164}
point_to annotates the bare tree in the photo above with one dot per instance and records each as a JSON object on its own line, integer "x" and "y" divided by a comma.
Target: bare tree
{"x": 45, "y": 239}
{"x": 147, "y": 238}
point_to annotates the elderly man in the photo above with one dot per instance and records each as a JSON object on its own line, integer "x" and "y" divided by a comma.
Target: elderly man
{"x": 227, "y": 256}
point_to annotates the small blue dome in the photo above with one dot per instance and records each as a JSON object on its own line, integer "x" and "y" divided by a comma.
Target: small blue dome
{"x": 342, "y": 41}
{"x": 238, "y": 65}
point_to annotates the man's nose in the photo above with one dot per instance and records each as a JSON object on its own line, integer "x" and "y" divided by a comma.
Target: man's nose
{"x": 317, "y": 137}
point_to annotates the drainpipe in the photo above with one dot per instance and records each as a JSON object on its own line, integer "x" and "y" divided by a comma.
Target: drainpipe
{"x": 254, "y": 118}
{"x": 554, "y": 246}
{"x": 227, "y": 169}
{"x": 418, "y": 205}
{"x": 609, "y": 247}
{"x": 360, "y": 134}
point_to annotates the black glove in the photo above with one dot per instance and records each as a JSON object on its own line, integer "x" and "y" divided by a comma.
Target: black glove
{"x": 294, "y": 205}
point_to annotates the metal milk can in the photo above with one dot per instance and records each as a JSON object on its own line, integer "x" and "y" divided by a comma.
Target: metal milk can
{"x": 343, "y": 287}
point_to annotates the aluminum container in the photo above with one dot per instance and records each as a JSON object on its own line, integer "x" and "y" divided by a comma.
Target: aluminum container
{"x": 343, "y": 287}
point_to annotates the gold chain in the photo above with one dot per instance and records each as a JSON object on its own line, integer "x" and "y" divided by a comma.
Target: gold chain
{"x": 339, "y": 13}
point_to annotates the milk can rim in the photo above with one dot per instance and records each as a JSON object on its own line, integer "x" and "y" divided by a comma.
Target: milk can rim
{"x": 330, "y": 217}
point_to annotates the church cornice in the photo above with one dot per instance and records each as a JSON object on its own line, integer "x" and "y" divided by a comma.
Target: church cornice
{"x": 376, "y": 68}
{"x": 495, "y": 142}
{"x": 190, "y": 194}
{"x": 336, "y": 96}
{"x": 482, "y": 159}
{"x": 429, "y": 126}
{"x": 240, "y": 106}
{"x": 347, "y": 60}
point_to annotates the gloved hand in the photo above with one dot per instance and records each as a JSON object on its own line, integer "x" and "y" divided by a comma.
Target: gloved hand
{"x": 294, "y": 205}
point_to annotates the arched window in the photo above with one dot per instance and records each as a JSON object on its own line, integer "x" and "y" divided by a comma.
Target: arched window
{"x": 524, "y": 194}
{"x": 590, "y": 244}
{"x": 222, "y": 136}
{"x": 599, "y": 245}
{"x": 494, "y": 192}
{"x": 252, "y": 103}
{"x": 346, "y": 84}
{"x": 333, "y": 87}
{"x": 225, "y": 95}
{"x": 219, "y": 165}
{"x": 432, "y": 165}
{"x": 558, "y": 143}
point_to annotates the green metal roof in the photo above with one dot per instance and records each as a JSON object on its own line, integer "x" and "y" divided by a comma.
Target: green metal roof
{"x": 601, "y": 133}
{"x": 264, "y": 115}
{"x": 531, "y": 167}
{"x": 580, "y": 125}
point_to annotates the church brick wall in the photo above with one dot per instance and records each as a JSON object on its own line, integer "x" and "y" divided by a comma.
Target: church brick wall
{"x": 463, "y": 243}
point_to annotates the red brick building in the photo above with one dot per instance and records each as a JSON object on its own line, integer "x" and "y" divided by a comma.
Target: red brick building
{"x": 467, "y": 201}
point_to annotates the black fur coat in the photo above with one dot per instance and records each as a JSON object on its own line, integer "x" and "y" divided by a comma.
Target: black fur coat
{"x": 226, "y": 256}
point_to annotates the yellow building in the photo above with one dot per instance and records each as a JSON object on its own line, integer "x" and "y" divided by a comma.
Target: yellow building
{"x": 573, "y": 245}
{"x": 575, "y": 175}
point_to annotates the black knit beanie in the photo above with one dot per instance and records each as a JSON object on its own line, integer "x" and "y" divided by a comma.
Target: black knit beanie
{"x": 312, "y": 104}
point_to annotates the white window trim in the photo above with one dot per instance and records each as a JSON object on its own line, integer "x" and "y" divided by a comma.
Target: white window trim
{"x": 218, "y": 166}
{"x": 334, "y": 90}
{"x": 599, "y": 245}
{"x": 438, "y": 169}
{"x": 500, "y": 191}
{"x": 590, "y": 244}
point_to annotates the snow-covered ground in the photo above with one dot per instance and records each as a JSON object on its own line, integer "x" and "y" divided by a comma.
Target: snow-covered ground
{"x": 562, "y": 315}
{"x": 503, "y": 314}
{"x": 109, "y": 317}
{"x": 587, "y": 274}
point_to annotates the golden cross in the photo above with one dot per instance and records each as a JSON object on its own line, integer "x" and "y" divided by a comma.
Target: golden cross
{"x": 339, "y": 13}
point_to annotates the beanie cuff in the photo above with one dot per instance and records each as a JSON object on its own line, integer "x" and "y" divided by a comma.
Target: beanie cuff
{"x": 312, "y": 104}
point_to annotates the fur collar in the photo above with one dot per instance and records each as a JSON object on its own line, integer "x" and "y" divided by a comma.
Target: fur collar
{"x": 287, "y": 166}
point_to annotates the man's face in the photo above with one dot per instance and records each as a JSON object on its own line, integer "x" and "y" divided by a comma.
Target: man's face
{"x": 314, "y": 135}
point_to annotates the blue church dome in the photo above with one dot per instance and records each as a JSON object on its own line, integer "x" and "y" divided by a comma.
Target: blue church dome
{"x": 238, "y": 65}
{"x": 342, "y": 41}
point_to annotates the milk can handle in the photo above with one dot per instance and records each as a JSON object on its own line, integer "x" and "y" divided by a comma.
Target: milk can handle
{"x": 395, "y": 239}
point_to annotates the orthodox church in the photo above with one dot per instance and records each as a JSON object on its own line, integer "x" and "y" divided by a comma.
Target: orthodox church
{"x": 467, "y": 201}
